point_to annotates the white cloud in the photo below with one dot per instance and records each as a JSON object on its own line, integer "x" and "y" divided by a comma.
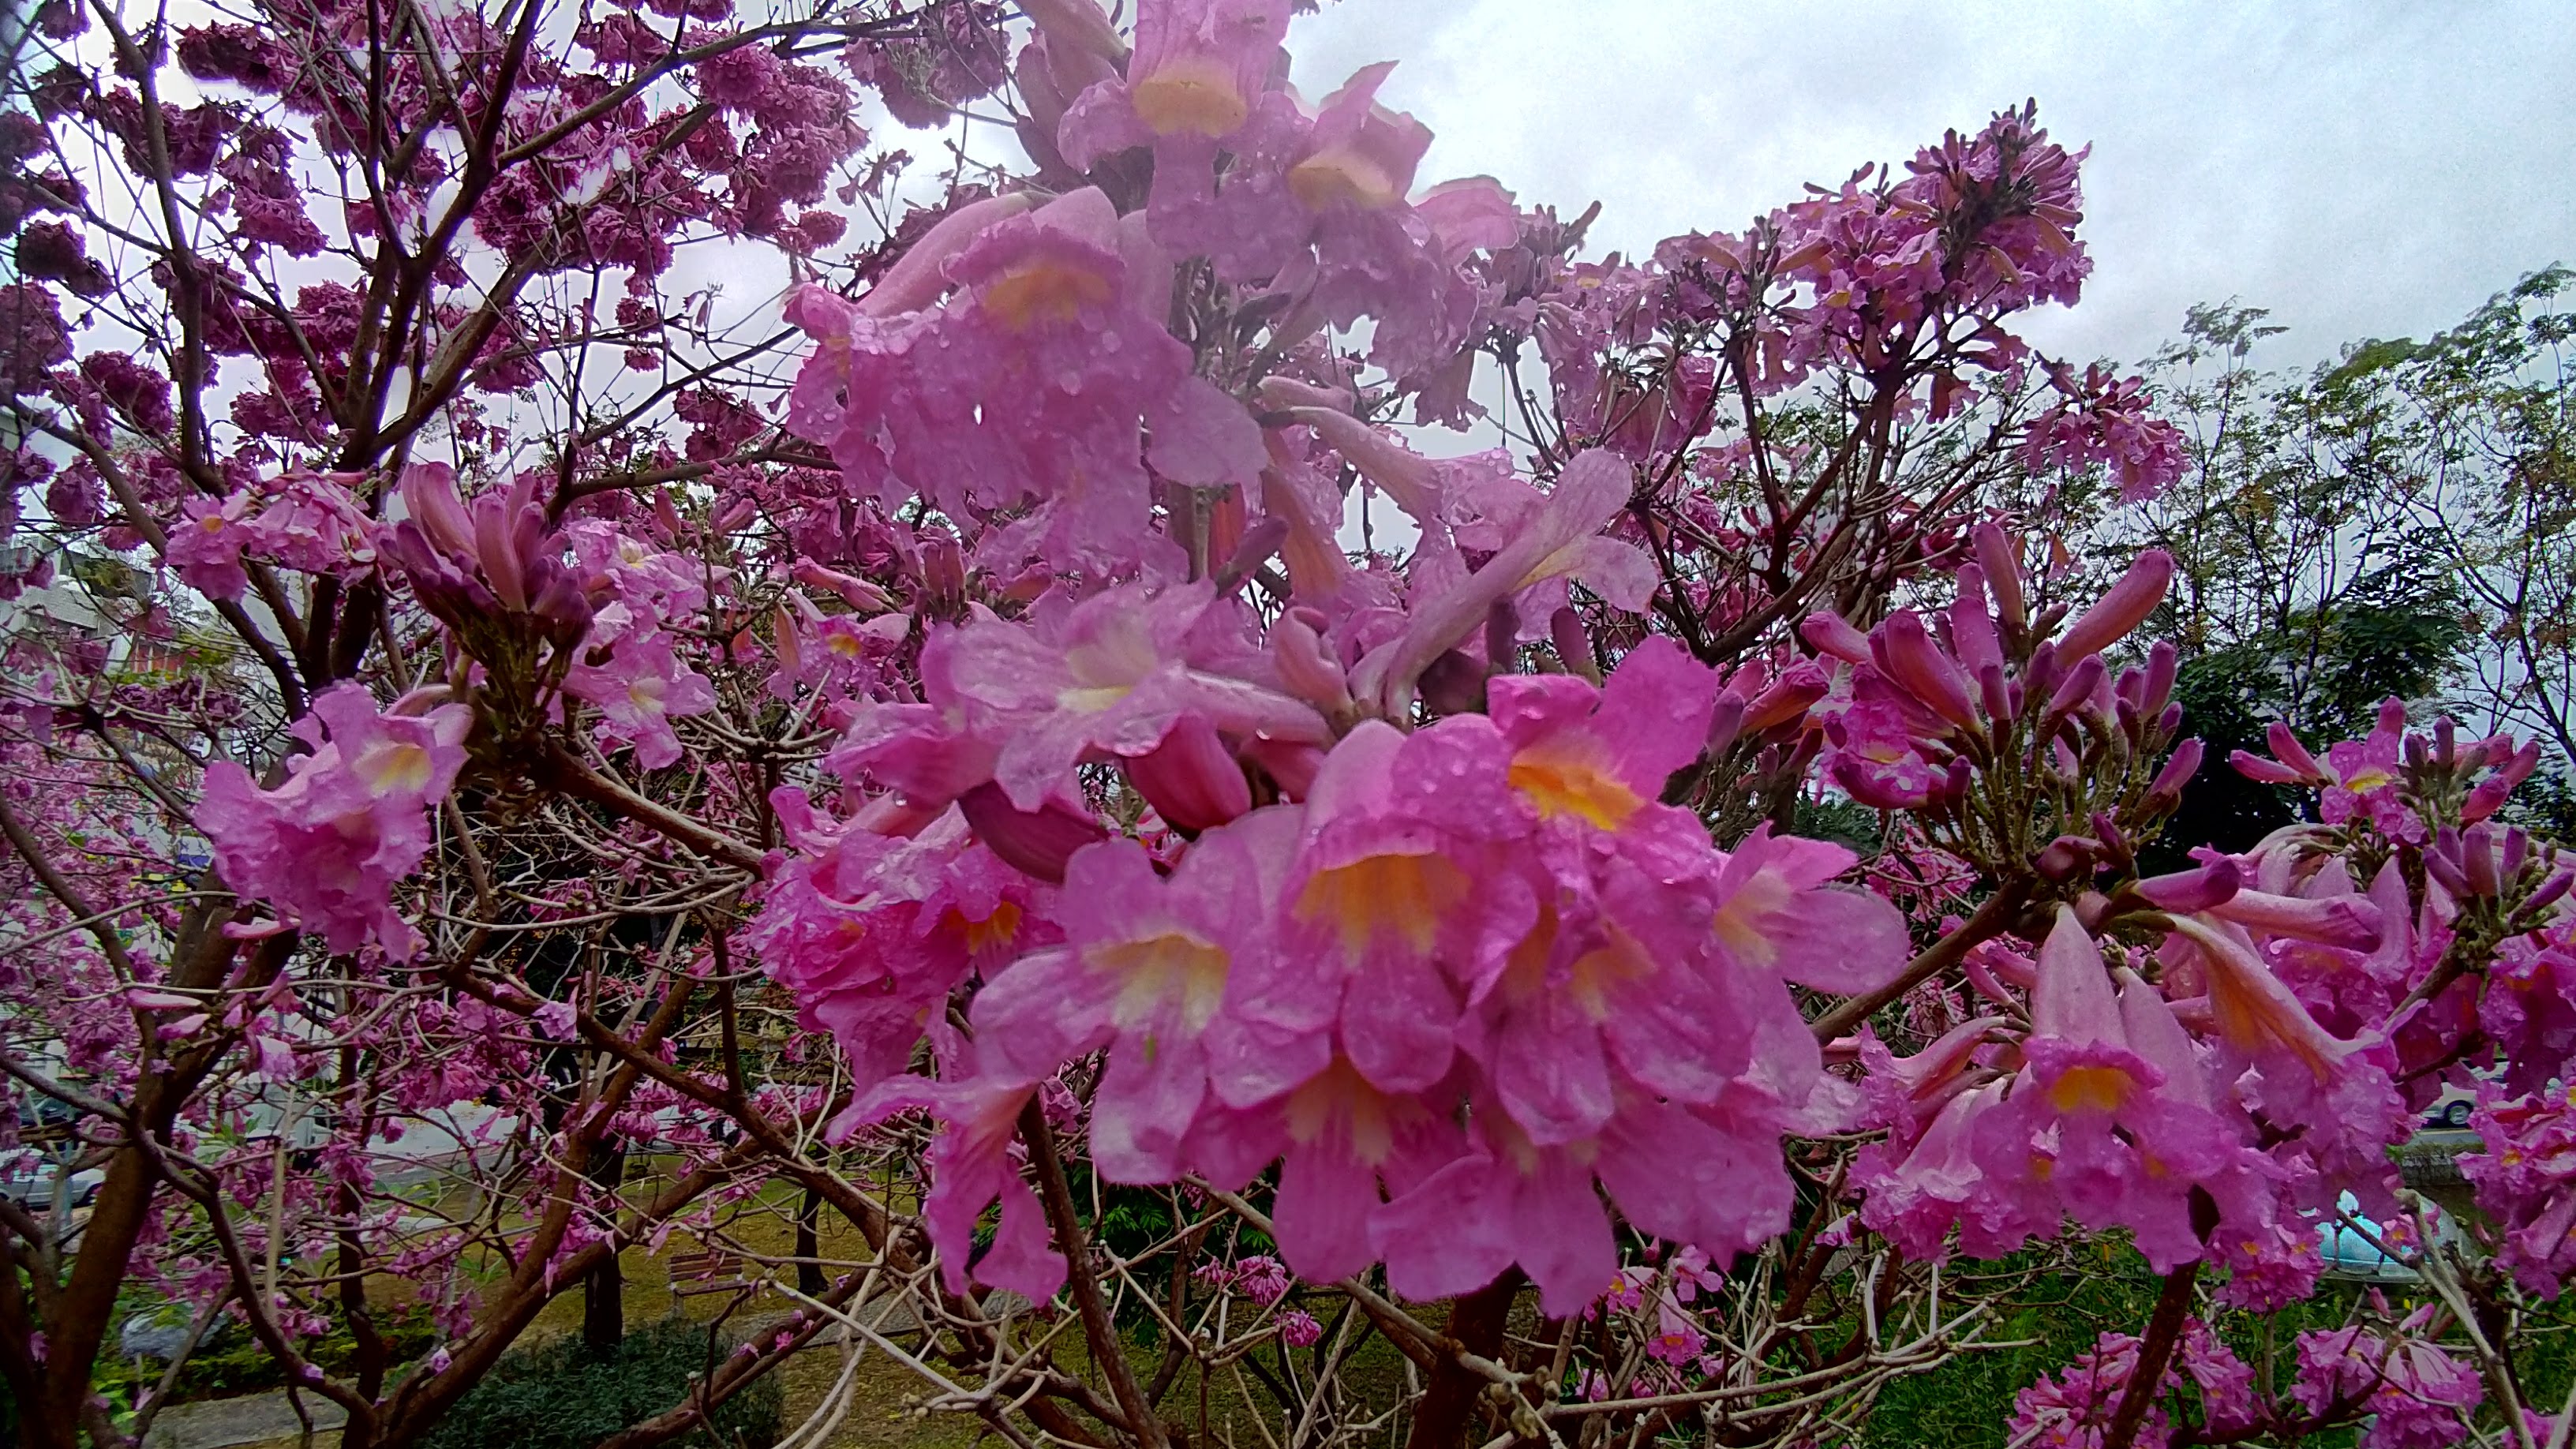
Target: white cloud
{"x": 2371, "y": 168}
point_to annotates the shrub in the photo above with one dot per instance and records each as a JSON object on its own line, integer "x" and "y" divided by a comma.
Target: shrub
{"x": 564, "y": 1395}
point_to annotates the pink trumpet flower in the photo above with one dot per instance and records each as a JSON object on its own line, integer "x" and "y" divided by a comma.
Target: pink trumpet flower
{"x": 2121, "y": 610}
{"x": 350, "y": 820}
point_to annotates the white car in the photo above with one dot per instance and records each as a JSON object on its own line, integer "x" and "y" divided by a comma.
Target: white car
{"x": 2451, "y": 1110}
{"x": 30, "y": 1184}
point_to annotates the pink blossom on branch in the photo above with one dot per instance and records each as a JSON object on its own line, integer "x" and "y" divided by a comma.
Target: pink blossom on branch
{"x": 326, "y": 847}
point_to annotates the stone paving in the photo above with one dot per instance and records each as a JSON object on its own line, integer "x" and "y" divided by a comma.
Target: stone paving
{"x": 250, "y": 1419}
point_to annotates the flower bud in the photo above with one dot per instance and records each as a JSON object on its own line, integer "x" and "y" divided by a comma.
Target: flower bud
{"x": 2179, "y": 768}
{"x": 1907, "y": 655}
{"x": 2123, "y": 609}
{"x": 2077, "y": 688}
{"x": 2130, "y": 688}
{"x": 2190, "y": 892}
{"x": 1725, "y": 723}
{"x": 1035, "y": 842}
{"x": 2546, "y": 895}
{"x": 2477, "y": 859}
{"x": 498, "y": 551}
{"x": 429, "y": 497}
{"x": 562, "y": 608}
{"x": 2254, "y": 767}
{"x": 2442, "y": 863}
{"x": 1573, "y": 647}
{"x": 1190, "y": 778}
{"x": 2489, "y": 795}
{"x": 2002, "y": 572}
{"x": 2163, "y": 663}
{"x": 1830, "y": 633}
{"x": 1995, "y": 692}
{"x": 1798, "y": 687}
{"x": 1306, "y": 668}
{"x": 1972, "y": 628}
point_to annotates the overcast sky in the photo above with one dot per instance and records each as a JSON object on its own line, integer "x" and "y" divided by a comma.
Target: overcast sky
{"x": 2361, "y": 167}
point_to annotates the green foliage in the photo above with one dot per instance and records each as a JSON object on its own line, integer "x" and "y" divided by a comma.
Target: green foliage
{"x": 2545, "y": 806}
{"x": 238, "y": 1363}
{"x": 2397, "y": 632}
{"x": 562, "y": 1395}
{"x": 2401, "y": 521}
{"x": 2326, "y": 674}
{"x": 1843, "y": 822}
{"x": 1963, "y": 1403}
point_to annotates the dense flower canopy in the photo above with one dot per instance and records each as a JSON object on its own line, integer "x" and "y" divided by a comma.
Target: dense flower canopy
{"x": 1075, "y": 698}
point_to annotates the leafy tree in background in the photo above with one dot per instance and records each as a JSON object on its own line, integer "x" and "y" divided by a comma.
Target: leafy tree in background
{"x": 2492, "y": 490}
{"x": 2401, "y": 521}
{"x": 846, "y": 687}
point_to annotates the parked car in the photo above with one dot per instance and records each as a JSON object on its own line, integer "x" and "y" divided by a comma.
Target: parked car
{"x": 29, "y": 1182}
{"x": 2350, "y": 1252}
{"x": 2451, "y": 1110}
{"x": 45, "y": 1117}
{"x": 45, "y": 1142}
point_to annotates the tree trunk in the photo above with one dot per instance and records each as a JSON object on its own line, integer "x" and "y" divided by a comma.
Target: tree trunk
{"x": 603, "y": 1289}
{"x": 809, "y": 1246}
{"x": 1476, "y": 1323}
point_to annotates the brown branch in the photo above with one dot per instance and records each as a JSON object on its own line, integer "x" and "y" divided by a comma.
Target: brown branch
{"x": 1108, "y": 1353}
{"x": 565, "y": 773}
{"x": 101, "y": 928}
{"x": 2173, "y": 1305}
{"x": 1475, "y": 1326}
{"x": 1989, "y": 922}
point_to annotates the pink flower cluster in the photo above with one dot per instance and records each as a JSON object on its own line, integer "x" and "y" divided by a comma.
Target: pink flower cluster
{"x": 1453, "y": 979}
{"x": 326, "y": 847}
{"x": 2525, "y": 1176}
{"x": 1923, "y": 694}
{"x": 308, "y": 522}
{"x": 2074, "y": 1408}
{"x": 2112, "y": 422}
{"x": 2390, "y": 779}
{"x": 2417, "y": 1396}
{"x": 1040, "y": 379}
